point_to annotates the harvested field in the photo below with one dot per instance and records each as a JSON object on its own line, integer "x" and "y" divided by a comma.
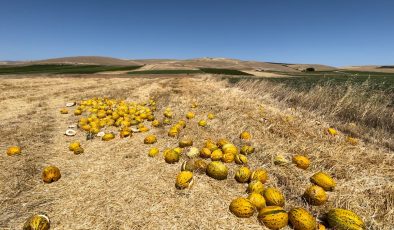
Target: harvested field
{"x": 115, "y": 185}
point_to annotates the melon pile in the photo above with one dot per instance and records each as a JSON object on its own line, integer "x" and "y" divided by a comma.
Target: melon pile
{"x": 107, "y": 119}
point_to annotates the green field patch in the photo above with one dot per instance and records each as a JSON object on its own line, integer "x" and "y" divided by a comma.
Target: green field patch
{"x": 62, "y": 69}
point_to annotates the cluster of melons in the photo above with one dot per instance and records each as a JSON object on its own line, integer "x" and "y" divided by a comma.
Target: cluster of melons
{"x": 220, "y": 153}
{"x": 333, "y": 132}
{"x": 104, "y": 112}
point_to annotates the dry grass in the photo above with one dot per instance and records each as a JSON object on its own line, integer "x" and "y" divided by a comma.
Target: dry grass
{"x": 114, "y": 185}
{"x": 355, "y": 109}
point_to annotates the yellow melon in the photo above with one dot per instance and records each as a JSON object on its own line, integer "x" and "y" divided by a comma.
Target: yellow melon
{"x": 228, "y": 157}
{"x": 242, "y": 207}
{"x": 280, "y": 160}
{"x": 332, "y": 131}
{"x": 242, "y": 175}
{"x": 205, "y": 153}
{"x": 211, "y": 116}
{"x": 273, "y": 217}
{"x": 150, "y": 139}
{"x": 51, "y": 174}
{"x": 301, "y": 161}
{"x": 351, "y": 140}
{"x": 241, "y": 159}
{"x": 171, "y": 156}
{"x": 323, "y": 180}
{"x": 155, "y": 123}
{"x": 230, "y": 148}
{"x": 108, "y": 137}
{"x": 200, "y": 166}
{"x": 255, "y": 186}
{"x": 301, "y": 219}
{"x": 246, "y": 150}
{"x": 245, "y": 135}
{"x": 190, "y": 115}
{"x": 217, "y": 155}
{"x": 274, "y": 197}
{"x": 257, "y": 200}
{"x": 217, "y": 170}
{"x": 153, "y": 152}
{"x": 202, "y": 123}
{"x": 184, "y": 180}
{"x": 37, "y": 222}
{"x": 78, "y": 150}
{"x": 221, "y": 142}
{"x": 343, "y": 219}
{"x": 125, "y": 133}
{"x": 260, "y": 175}
{"x": 315, "y": 195}
{"x": 13, "y": 150}
{"x": 74, "y": 145}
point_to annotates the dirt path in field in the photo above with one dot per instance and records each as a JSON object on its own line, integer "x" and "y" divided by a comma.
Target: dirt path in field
{"x": 115, "y": 185}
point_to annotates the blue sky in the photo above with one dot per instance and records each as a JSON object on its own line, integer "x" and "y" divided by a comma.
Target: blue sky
{"x": 330, "y": 32}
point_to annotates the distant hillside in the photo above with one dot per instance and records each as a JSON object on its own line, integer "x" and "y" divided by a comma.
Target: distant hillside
{"x": 87, "y": 60}
{"x": 317, "y": 67}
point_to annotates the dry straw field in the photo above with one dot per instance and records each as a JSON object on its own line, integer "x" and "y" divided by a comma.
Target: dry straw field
{"x": 115, "y": 185}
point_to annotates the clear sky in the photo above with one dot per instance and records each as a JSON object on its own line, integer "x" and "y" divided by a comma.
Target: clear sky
{"x": 333, "y": 32}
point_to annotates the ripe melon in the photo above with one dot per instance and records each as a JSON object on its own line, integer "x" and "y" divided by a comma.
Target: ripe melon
{"x": 13, "y": 150}
{"x": 184, "y": 180}
{"x": 301, "y": 219}
{"x": 273, "y": 217}
{"x": 274, "y": 197}
{"x": 217, "y": 170}
{"x": 343, "y": 219}
{"x": 242, "y": 207}
{"x": 242, "y": 175}
{"x": 315, "y": 195}
{"x": 51, "y": 174}
{"x": 323, "y": 180}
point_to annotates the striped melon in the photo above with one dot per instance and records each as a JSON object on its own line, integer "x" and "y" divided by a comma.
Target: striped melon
{"x": 273, "y": 217}
{"x": 37, "y": 222}
{"x": 242, "y": 207}
{"x": 217, "y": 170}
{"x": 274, "y": 197}
{"x": 257, "y": 200}
{"x": 260, "y": 175}
{"x": 301, "y": 219}
{"x": 242, "y": 175}
{"x": 255, "y": 186}
{"x": 323, "y": 180}
{"x": 315, "y": 195}
{"x": 342, "y": 219}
